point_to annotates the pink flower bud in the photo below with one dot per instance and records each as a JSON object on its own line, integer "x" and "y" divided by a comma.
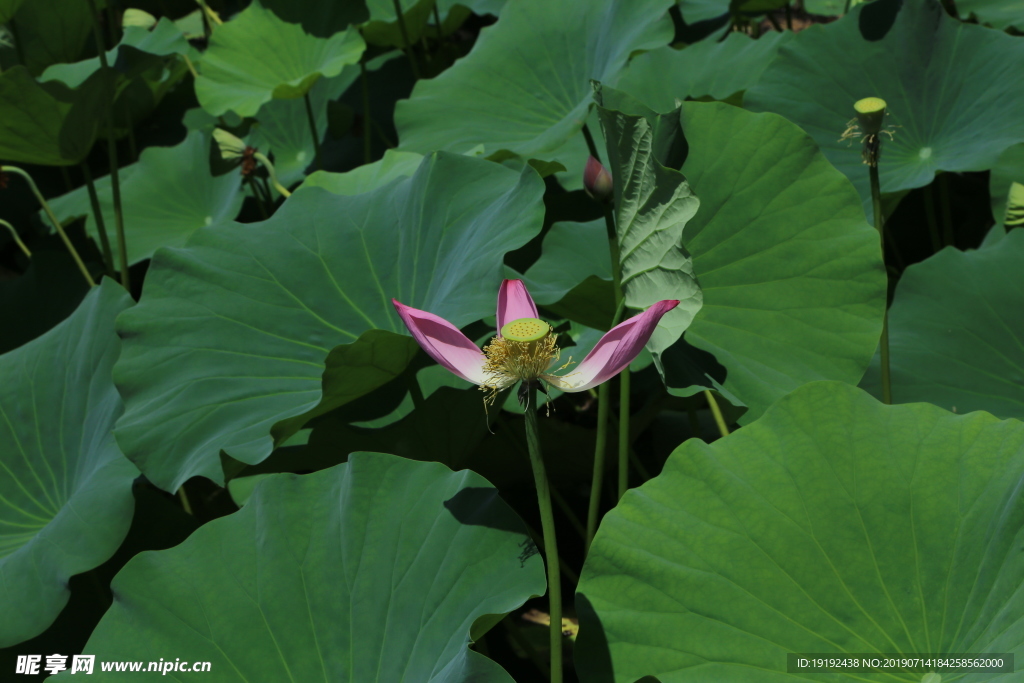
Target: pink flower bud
{"x": 597, "y": 181}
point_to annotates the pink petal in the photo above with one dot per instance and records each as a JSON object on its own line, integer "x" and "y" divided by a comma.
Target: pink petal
{"x": 444, "y": 343}
{"x": 514, "y": 302}
{"x": 615, "y": 350}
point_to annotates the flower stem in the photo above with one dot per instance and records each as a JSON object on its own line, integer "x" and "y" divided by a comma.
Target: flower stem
{"x": 624, "y": 381}
{"x": 603, "y": 409}
{"x": 53, "y": 219}
{"x": 876, "y": 204}
{"x": 101, "y": 228}
{"x": 312, "y": 130}
{"x": 547, "y": 521}
{"x": 17, "y": 240}
{"x": 723, "y": 429}
{"x": 262, "y": 158}
{"x": 405, "y": 39}
{"x": 591, "y": 146}
{"x": 115, "y": 179}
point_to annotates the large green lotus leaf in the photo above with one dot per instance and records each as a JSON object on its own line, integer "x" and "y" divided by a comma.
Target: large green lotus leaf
{"x": 998, "y": 13}
{"x": 50, "y": 123}
{"x": 257, "y": 57}
{"x": 525, "y": 87}
{"x": 952, "y": 91}
{"x": 708, "y": 68}
{"x": 167, "y": 195}
{"x": 368, "y": 177}
{"x": 792, "y": 274}
{"x": 961, "y": 348}
{"x": 65, "y": 490}
{"x": 373, "y": 570}
{"x": 232, "y": 332}
{"x": 163, "y": 40}
{"x": 834, "y": 524}
{"x": 652, "y": 206}
{"x": 53, "y": 31}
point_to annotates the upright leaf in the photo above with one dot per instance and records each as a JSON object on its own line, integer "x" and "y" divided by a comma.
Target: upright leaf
{"x": 652, "y": 206}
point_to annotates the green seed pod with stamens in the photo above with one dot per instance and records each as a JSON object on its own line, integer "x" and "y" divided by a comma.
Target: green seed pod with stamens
{"x": 870, "y": 114}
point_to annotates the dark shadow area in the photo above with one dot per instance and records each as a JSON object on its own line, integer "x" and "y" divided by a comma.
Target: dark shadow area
{"x": 592, "y": 658}
{"x": 479, "y": 506}
{"x": 317, "y": 18}
{"x": 686, "y": 366}
{"x": 876, "y": 18}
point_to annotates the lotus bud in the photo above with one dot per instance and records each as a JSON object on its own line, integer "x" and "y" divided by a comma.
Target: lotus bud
{"x": 597, "y": 181}
{"x": 231, "y": 146}
{"x": 138, "y": 17}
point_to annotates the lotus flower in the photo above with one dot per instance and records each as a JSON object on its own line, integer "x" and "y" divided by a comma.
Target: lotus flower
{"x": 525, "y": 348}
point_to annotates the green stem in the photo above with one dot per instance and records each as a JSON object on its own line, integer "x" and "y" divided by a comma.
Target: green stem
{"x": 367, "y": 152}
{"x": 547, "y": 520}
{"x": 947, "y": 213}
{"x": 115, "y": 186}
{"x": 591, "y": 146}
{"x": 115, "y": 179}
{"x": 184, "y": 500}
{"x": 101, "y": 227}
{"x": 258, "y": 196}
{"x": 17, "y": 240}
{"x": 846, "y": 8}
{"x": 876, "y": 204}
{"x": 312, "y": 129}
{"x": 53, "y": 219}
{"x": 260, "y": 157}
{"x": 723, "y": 429}
{"x": 624, "y": 381}
{"x": 405, "y": 39}
{"x": 594, "y": 508}
{"x": 414, "y": 390}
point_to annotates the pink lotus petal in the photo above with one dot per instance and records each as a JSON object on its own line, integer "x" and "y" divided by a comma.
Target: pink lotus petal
{"x": 615, "y": 350}
{"x": 444, "y": 342}
{"x": 514, "y": 302}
